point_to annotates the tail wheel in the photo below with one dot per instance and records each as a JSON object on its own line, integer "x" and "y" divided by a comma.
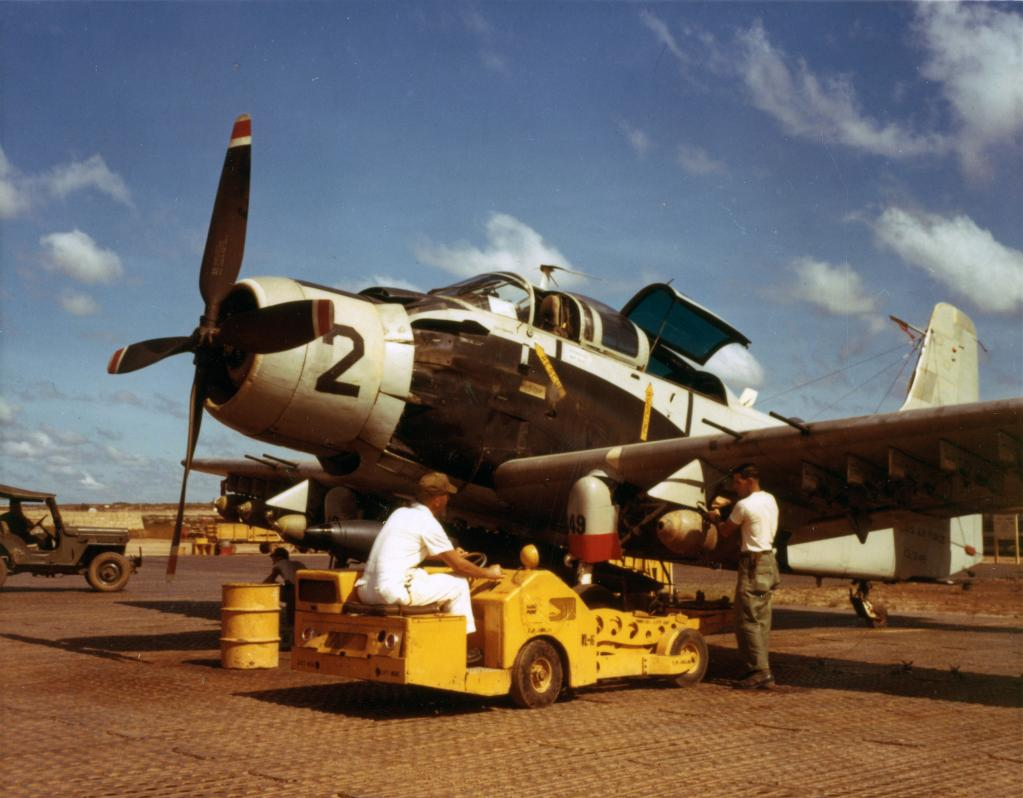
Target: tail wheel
{"x": 108, "y": 572}
{"x": 691, "y": 642}
{"x": 537, "y": 675}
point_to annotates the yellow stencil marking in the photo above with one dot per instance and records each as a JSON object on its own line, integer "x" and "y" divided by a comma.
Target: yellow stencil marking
{"x": 645, "y": 428}
{"x": 559, "y": 389}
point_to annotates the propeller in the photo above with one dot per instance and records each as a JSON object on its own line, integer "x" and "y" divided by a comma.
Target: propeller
{"x": 263, "y": 331}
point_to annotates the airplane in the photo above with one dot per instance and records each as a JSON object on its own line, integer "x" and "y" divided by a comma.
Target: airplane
{"x": 590, "y": 431}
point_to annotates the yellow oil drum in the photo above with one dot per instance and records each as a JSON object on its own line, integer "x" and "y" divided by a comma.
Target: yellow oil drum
{"x": 250, "y": 626}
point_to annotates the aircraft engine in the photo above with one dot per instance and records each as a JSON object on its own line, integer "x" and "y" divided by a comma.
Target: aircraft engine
{"x": 324, "y": 397}
{"x": 682, "y": 532}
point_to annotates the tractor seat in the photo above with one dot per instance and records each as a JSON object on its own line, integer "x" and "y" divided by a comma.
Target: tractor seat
{"x": 403, "y": 610}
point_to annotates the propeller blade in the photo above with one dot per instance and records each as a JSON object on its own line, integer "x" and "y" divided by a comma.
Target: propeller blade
{"x": 278, "y": 327}
{"x": 146, "y": 353}
{"x": 225, "y": 241}
{"x": 194, "y": 422}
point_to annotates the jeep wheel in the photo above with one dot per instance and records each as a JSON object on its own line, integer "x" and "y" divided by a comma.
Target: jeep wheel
{"x": 108, "y": 572}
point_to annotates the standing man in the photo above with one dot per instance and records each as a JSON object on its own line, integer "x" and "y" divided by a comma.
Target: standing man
{"x": 411, "y": 535}
{"x": 756, "y": 514}
{"x": 285, "y": 568}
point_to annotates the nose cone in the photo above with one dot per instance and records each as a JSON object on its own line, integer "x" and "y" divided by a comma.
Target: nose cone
{"x": 345, "y": 387}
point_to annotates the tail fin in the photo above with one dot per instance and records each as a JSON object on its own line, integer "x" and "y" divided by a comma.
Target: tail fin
{"x": 946, "y": 371}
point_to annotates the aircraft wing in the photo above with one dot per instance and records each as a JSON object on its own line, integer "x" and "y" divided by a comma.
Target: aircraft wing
{"x": 263, "y": 470}
{"x": 941, "y": 461}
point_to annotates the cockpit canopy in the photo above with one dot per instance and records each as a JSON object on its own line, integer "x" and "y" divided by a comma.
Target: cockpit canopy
{"x": 503, "y": 293}
{"x": 657, "y": 330}
{"x": 673, "y": 320}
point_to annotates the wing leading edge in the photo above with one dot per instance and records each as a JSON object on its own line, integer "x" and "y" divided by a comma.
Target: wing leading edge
{"x": 941, "y": 461}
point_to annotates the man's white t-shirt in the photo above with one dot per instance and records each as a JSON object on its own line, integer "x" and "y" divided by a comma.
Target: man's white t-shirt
{"x": 409, "y": 536}
{"x": 757, "y": 516}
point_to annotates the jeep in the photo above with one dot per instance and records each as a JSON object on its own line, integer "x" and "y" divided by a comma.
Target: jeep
{"x": 34, "y": 540}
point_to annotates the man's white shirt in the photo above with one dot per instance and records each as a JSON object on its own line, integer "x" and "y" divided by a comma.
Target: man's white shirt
{"x": 757, "y": 516}
{"x": 410, "y": 535}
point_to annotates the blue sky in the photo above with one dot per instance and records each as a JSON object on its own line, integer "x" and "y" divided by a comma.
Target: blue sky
{"x": 802, "y": 169}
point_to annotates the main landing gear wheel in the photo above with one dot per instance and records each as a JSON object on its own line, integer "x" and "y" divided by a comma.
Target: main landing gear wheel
{"x": 688, "y": 641}
{"x": 874, "y": 614}
{"x": 537, "y": 675}
{"x": 108, "y": 572}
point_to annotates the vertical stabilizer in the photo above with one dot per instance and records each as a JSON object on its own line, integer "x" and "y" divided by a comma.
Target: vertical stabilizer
{"x": 946, "y": 372}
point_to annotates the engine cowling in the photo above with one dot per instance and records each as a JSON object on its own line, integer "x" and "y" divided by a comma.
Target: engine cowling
{"x": 329, "y": 395}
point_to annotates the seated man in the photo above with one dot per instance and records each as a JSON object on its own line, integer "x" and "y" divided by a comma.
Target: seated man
{"x": 14, "y": 522}
{"x": 409, "y": 536}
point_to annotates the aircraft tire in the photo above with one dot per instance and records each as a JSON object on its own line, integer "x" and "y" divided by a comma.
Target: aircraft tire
{"x": 692, "y": 641}
{"x": 108, "y": 572}
{"x": 537, "y": 675}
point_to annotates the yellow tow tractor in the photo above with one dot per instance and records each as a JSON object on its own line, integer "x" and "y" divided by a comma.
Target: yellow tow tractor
{"x": 536, "y": 635}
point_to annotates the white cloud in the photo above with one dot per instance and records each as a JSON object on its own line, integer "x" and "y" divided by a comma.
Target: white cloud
{"x": 662, "y": 33}
{"x": 480, "y": 27}
{"x": 958, "y": 253}
{"x": 19, "y": 449}
{"x": 695, "y": 161}
{"x": 637, "y": 138}
{"x": 90, "y": 482}
{"x": 512, "y": 246}
{"x": 19, "y": 192}
{"x": 812, "y": 107}
{"x": 7, "y": 411}
{"x": 78, "y": 256}
{"x": 123, "y": 458}
{"x": 78, "y": 304}
{"x": 93, "y": 172}
{"x": 13, "y": 199}
{"x": 837, "y": 290}
{"x": 736, "y": 365}
{"x": 123, "y": 397}
{"x": 975, "y": 52}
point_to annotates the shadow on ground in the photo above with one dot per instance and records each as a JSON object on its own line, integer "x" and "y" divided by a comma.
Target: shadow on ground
{"x": 114, "y": 646}
{"x": 377, "y": 701}
{"x": 793, "y": 671}
{"x": 208, "y": 610}
{"x": 792, "y": 618}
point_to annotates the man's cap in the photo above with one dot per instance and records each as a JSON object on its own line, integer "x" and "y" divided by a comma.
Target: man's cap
{"x": 435, "y": 484}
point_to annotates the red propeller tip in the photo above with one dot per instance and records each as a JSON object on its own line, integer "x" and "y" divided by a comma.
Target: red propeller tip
{"x": 115, "y": 361}
{"x": 241, "y": 134}
{"x": 324, "y": 316}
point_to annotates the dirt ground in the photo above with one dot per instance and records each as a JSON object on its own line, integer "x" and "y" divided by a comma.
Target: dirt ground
{"x": 995, "y": 589}
{"x": 125, "y": 695}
